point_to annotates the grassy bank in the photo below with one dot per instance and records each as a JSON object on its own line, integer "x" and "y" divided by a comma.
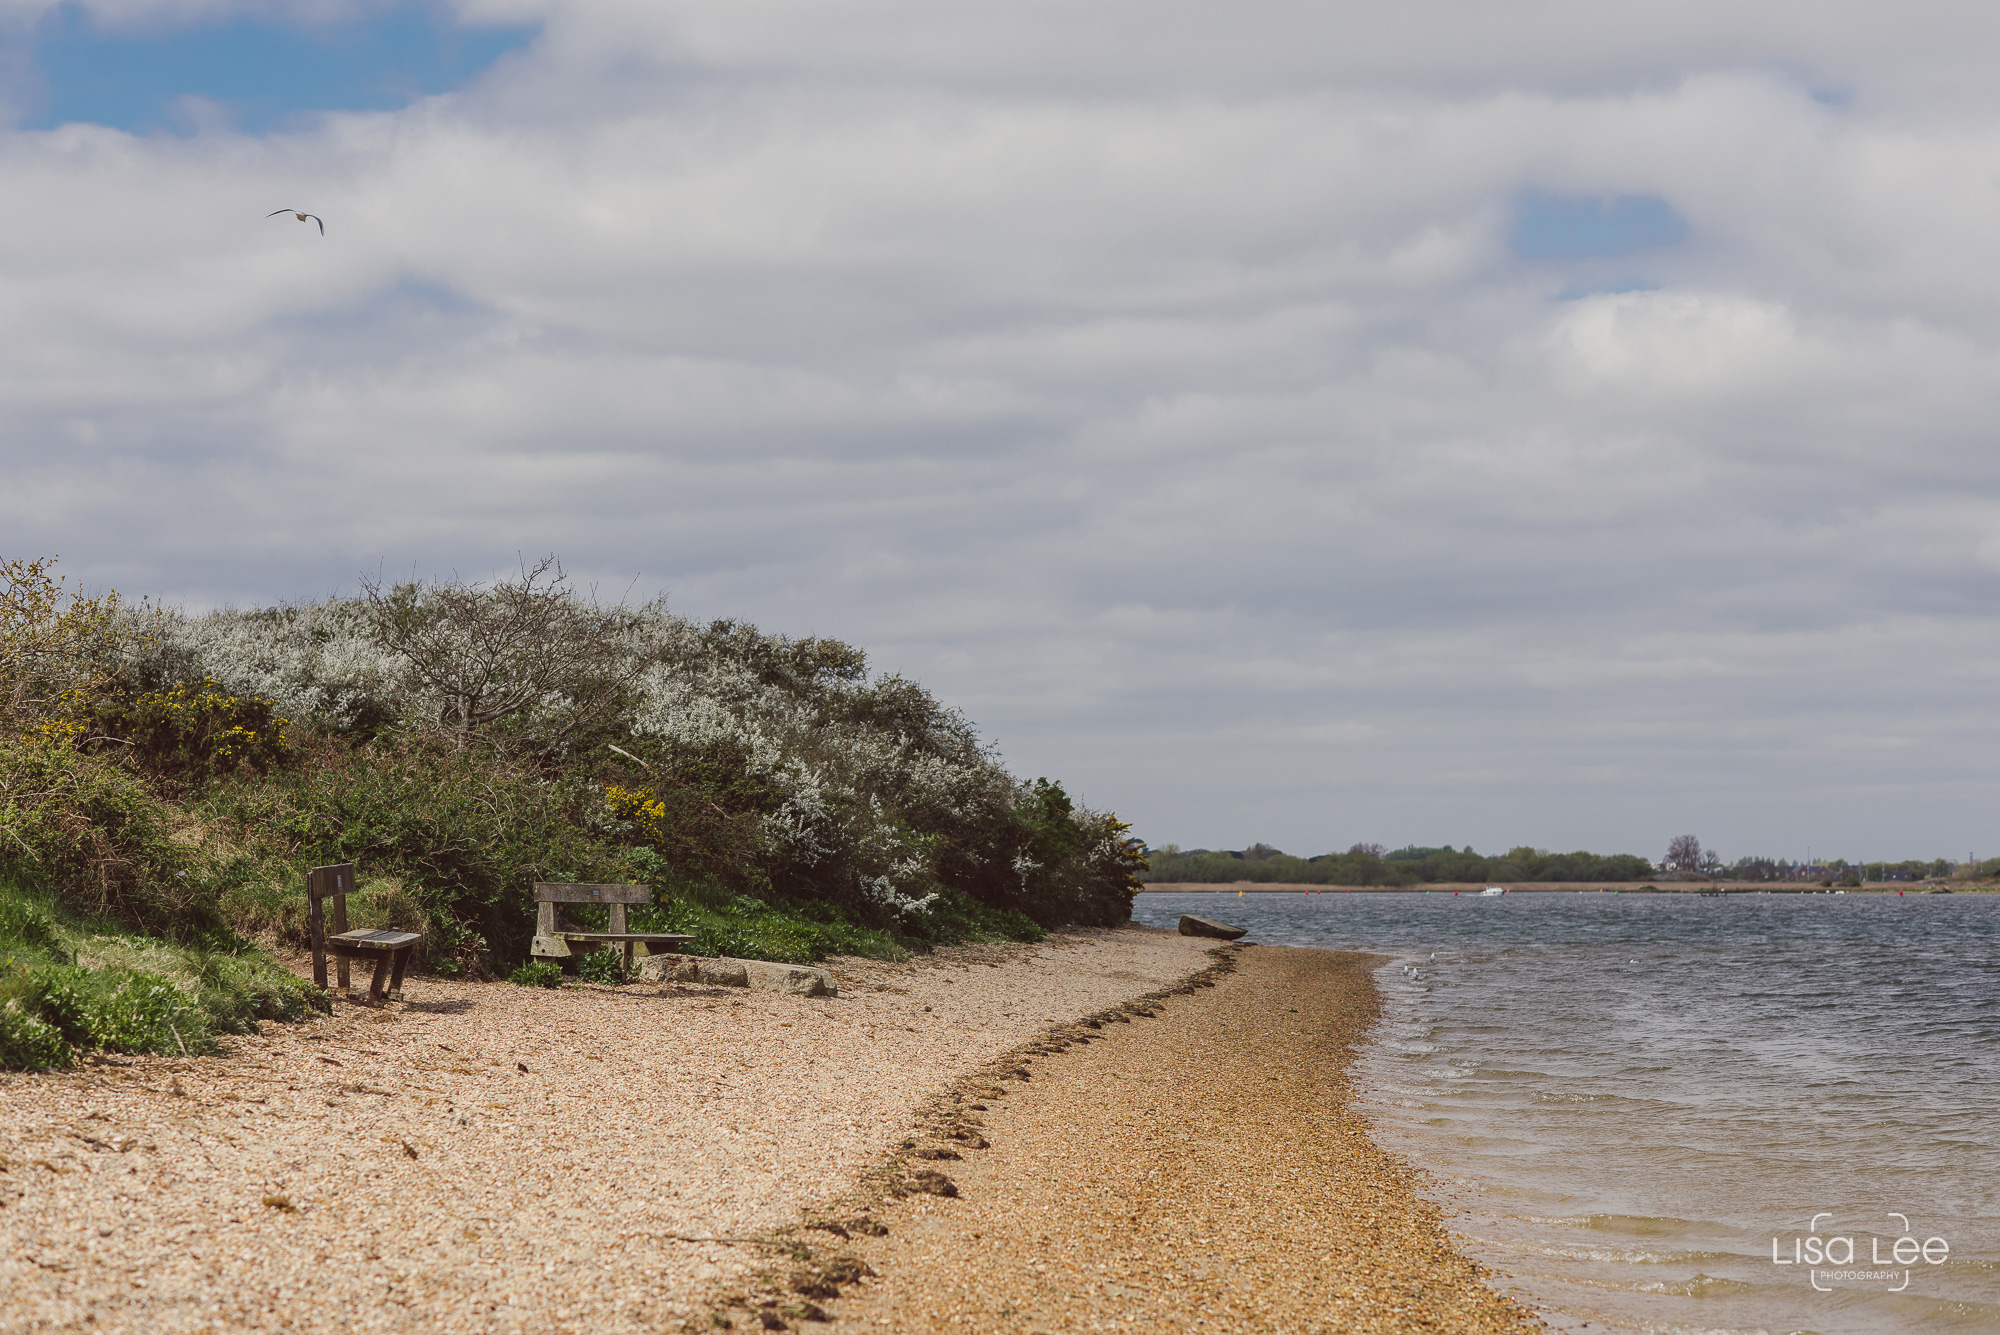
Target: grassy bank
{"x": 71, "y": 984}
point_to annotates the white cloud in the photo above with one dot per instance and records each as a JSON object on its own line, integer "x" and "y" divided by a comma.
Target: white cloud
{"x": 1157, "y": 383}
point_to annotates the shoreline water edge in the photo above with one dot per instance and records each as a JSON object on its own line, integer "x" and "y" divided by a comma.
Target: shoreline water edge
{"x": 1681, "y": 1112}
{"x": 486, "y": 1157}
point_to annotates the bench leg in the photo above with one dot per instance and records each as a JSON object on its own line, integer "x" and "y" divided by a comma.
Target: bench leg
{"x": 396, "y": 976}
{"x": 381, "y": 973}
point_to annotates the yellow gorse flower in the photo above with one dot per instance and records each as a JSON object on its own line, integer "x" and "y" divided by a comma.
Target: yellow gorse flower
{"x": 640, "y": 809}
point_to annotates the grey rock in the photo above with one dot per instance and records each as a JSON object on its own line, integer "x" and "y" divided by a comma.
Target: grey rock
{"x": 1222, "y": 931}
{"x": 802, "y": 980}
{"x": 694, "y": 969}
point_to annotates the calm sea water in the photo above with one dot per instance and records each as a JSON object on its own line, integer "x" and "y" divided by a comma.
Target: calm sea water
{"x": 1642, "y": 1104}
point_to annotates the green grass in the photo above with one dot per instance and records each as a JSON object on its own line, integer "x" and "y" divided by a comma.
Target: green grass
{"x": 807, "y": 931}
{"x": 537, "y": 973}
{"x": 70, "y": 985}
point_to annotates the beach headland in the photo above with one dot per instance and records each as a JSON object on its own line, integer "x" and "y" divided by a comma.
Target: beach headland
{"x": 495, "y": 1158}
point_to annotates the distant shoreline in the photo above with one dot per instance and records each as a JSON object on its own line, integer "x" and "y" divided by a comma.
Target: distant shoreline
{"x": 1570, "y": 887}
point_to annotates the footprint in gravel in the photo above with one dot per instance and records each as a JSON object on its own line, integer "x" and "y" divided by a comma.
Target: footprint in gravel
{"x": 938, "y": 1152}
{"x": 934, "y": 1184}
{"x": 845, "y": 1269}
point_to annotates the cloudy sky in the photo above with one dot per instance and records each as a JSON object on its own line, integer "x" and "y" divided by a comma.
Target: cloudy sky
{"x": 1551, "y": 422}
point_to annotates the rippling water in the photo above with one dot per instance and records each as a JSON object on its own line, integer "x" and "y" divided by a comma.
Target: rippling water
{"x": 1638, "y": 1101}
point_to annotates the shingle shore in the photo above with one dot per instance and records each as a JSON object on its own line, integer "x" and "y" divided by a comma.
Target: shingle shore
{"x": 1196, "y": 1169}
{"x": 496, "y": 1158}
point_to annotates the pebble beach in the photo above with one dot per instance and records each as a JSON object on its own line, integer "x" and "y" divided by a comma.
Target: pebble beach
{"x": 483, "y": 1157}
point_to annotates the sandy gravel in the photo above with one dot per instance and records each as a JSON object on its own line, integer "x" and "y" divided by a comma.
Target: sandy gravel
{"x": 1196, "y": 1169}
{"x": 495, "y": 1158}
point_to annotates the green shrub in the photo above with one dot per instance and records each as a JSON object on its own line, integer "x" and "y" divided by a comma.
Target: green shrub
{"x": 191, "y": 730}
{"x": 93, "y": 986}
{"x": 453, "y": 842}
{"x": 28, "y": 925}
{"x": 29, "y": 1044}
{"x": 537, "y": 973}
{"x": 603, "y": 966}
{"x": 56, "y": 998}
{"x": 954, "y": 918}
{"x": 115, "y": 1010}
{"x": 101, "y": 841}
{"x": 239, "y": 989}
{"x": 138, "y": 1012}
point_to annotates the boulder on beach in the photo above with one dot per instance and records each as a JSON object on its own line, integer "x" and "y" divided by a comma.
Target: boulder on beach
{"x": 1222, "y": 931}
{"x": 803, "y": 980}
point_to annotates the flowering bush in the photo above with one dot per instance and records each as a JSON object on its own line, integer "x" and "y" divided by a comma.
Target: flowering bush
{"x": 469, "y": 740}
{"x": 192, "y": 729}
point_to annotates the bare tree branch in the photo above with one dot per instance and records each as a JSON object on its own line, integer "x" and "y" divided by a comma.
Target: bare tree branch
{"x": 523, "y": 664}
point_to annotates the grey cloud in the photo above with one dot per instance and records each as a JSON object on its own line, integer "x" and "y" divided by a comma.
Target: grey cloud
{"x": 1178, "y": 407}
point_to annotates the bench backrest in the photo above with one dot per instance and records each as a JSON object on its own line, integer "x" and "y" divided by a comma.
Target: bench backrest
{"x": 333, "y": 882}
{"x": 584, "y": 892}
{"x": 550, "y": 894}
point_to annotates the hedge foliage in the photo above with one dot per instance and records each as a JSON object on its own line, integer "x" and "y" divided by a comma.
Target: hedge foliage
{"x": 175, "y": 775}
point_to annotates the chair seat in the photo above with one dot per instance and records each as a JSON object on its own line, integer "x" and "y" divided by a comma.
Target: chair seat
{"x": 671, "y": 937}
{"x": 372, "y": 939}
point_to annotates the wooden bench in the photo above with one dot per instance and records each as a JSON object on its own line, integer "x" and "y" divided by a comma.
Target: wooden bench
{"x": 389, "y": 949}
{"x": 554, "y": 937}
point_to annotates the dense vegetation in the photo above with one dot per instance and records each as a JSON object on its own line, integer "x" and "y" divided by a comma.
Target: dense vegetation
{"x": 1370, "y": 864}
{"x": 69, "y": 983}
{"x": 170, "y": 777}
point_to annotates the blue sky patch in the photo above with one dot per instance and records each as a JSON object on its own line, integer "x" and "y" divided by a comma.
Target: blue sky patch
{"x": 260, "y": 73}
{"x": 1570, "y": 227}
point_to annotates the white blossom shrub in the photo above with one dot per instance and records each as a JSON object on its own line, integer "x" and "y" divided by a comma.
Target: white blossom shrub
{"x": 772, "y": 765}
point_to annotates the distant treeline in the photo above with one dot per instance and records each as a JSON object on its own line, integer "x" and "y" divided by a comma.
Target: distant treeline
{"x": 1371, "y": 864}
{"x": 1914, "y": 869}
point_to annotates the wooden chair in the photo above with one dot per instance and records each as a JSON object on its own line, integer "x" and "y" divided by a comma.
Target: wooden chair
{"x": 553, "y": 937}
{"x": 390, "y": 950}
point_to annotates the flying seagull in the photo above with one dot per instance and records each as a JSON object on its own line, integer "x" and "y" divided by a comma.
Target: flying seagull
{"x": 300, "y": 216}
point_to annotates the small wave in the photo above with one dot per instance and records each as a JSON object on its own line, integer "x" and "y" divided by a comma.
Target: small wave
{"x": 1627, "y": 1256}
{"x": 1698, "y": 1286}
{"x": 1570, "y": 1096}
{"x": 1637, "y": 1224}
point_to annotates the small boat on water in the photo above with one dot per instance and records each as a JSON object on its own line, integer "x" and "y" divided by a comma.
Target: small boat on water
{"x": 1494, "y": 890}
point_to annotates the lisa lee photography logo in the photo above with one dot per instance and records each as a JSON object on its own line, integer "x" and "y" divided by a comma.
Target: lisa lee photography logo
{"x": 1859, "y": 1258}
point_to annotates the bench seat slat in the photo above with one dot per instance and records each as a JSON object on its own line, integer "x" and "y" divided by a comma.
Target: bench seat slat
{"x": 622, "y": 936}
{"x": 379, "y": 938}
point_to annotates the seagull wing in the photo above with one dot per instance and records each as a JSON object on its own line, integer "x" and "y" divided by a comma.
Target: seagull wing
{"x": 275, "y": 212}
{"x": 316, "y": 218}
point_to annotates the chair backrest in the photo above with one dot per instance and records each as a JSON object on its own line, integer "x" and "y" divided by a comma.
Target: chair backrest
{"x": 333, "y": 882}
{"x": 550, "y": 894}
